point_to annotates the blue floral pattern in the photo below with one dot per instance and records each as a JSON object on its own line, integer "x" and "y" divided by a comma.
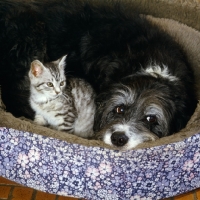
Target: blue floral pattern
{"x": 95, "y": 173}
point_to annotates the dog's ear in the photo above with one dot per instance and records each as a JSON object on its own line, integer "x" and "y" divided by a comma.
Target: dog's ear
{"x": 178, "y": 122}
{"x": 103, "y": 105}
{"x": 98, "y": 116}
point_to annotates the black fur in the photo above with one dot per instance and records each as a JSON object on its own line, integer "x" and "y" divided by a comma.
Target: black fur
{"x": 22, "y": 39}
{"x": 115, "y": 47}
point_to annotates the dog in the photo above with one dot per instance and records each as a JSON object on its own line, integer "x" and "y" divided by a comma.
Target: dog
{"x": 143, "y": 81}
{"x": 142, "y": 78}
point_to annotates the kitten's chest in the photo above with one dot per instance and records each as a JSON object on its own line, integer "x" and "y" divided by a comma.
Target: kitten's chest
{"x": 52, "y": 106}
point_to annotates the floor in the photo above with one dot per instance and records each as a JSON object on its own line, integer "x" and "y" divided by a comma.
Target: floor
{"x": 194, "y": 195}
{"x": 13, "y": 191}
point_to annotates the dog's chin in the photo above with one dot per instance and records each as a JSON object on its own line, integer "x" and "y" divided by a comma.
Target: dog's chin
{"x": 126, "y": 139}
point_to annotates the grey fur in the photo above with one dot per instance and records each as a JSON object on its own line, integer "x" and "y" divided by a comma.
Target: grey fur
{"x": 126, "y": 112}
{"x": 65, "y": 105}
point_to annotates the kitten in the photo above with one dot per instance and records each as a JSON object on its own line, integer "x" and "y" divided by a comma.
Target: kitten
{"x": 64, "y": 104}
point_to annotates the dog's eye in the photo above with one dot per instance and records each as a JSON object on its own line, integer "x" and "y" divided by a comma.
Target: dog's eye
{"x": 120, "y": 109}
{"x": 151, "y": 119}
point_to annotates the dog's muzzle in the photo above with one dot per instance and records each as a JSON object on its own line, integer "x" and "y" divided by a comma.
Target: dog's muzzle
{"x": 124, "y": 136}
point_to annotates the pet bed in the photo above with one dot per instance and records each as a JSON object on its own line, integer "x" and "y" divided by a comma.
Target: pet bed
{"x": 64, "y": 164}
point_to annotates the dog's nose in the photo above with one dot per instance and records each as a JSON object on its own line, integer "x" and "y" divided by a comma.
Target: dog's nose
{"x": 119, "y": 139}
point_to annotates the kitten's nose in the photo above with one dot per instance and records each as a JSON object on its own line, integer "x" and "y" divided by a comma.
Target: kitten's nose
{"x": 57, "y": 92}
{"x": 119, "y": 139}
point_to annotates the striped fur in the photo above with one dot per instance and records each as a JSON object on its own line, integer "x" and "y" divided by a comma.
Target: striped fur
{"x": 65, "y": 105}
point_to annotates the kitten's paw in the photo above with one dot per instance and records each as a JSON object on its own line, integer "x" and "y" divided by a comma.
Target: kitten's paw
{"x": 40, "y": 120}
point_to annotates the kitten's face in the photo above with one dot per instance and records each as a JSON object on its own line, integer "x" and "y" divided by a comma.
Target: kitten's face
{"x": 48, "y": 79}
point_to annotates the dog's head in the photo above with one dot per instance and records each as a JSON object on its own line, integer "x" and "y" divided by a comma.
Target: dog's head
{"x": 140, "y": 108}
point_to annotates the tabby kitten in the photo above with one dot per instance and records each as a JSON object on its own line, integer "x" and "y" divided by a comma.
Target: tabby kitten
{"x": 64, "y": 104}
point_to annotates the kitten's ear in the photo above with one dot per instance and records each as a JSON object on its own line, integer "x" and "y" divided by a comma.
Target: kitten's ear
{"x": 36, "y": 68}
{"x": 61, "y": 61}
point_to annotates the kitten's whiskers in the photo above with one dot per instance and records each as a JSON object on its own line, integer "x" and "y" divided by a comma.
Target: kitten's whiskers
{"x": 65, "y": 96}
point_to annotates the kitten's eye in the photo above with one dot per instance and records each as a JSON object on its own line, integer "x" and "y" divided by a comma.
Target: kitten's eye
{"x": 120, "y": 109}
{"x": 151, "y": 119}
{"x": 62, "y": 83}
{"x": 49, "y": 84}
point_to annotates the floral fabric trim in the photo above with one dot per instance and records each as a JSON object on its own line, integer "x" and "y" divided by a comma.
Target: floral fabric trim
{"x": 95, "y": 173}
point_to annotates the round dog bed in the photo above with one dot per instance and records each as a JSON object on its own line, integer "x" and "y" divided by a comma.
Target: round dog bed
{"x": 65, "y": 164}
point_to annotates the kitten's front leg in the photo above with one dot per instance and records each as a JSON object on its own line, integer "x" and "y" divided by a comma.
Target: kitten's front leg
{"x": 39, "y": 119}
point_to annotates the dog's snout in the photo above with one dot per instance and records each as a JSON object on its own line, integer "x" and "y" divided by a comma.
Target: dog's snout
{"x": 119, "y": 139}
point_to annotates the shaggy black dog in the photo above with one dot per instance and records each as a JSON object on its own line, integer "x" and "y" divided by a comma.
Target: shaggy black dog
{"x": 143, "y": 81}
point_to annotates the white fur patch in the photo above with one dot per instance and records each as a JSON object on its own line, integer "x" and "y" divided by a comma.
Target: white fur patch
{"x": 155, "y": 70}
{"x": 134, "y": 138}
